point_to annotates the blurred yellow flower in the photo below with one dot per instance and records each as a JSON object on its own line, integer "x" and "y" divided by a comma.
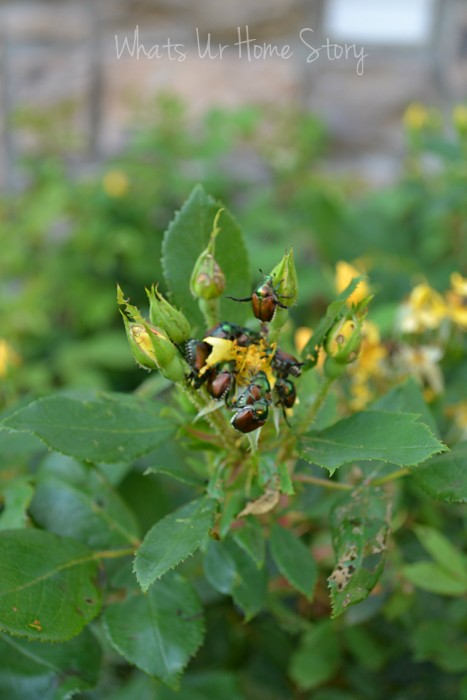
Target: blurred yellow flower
{"x": 116, "y": 183}
{"x": 459, "y": 118}
{"x": 8, "y": 358}
{"x": 456, "y": 299}
{"x": 369, "y": 368}
{"x": 458, "y": 413}
{"x": 302, "y": 336}
{"x": 424, "y": 310}
{"x": 416, "y": 116}
{"x": 345, "y": 273}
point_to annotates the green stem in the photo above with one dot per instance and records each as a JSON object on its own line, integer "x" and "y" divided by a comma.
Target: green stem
{"x": 210, "y": 311}
{"x": 216, "y": 419}
{"x": 325, "y": 483}
{"x": 390, "y": 477}
{"x": 114, "y": 553}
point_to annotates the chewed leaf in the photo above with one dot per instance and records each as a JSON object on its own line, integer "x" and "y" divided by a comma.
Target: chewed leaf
{"x": 359, "y": 524}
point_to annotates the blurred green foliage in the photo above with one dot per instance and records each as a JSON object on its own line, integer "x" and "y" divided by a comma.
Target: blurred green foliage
{"x": 66, "y": 240}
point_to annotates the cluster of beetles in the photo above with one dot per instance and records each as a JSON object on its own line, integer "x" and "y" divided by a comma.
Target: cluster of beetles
{"x": 256, "y": 374}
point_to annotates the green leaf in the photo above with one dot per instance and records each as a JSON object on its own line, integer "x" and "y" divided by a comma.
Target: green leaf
{"x": 48, "y": 585}
{"x": 359, "y": 526}
{"x": 431, "y": 577}
{"x": 173, "y": 539}
{"x": 160, "y": 631}
{"x": 317, "y": 657}
{"x": 250, "y": 538}
{"x": 294, "y": 560}
{"x": 445, "y": 477}
{"x": 219, "y": 567}
{"x": 205, "y": 685}
{"x": 334, "y": 311}
{"x": 443, "y": 552}
{"x": 94, "y": 427}
{"x": 16, "y": 496}
{"x": 31, "y": 670}
{"x": 398, "y": 438}
{"x": 186, "y": 237}
{"x": 250, "y": 586}
{"x": 229, "y": 569}
{"x": 407, "y": 398}
{"x": 88, "y": 510}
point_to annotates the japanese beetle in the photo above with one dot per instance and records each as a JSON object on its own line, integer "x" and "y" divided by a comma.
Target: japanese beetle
{"x": 230, "y": 331}
{"x": 286, "y": 392}
{"x": 257, "y": 389}
{"x": 251, "y": 417}
{"x": 221, "y": 382}
{"x": 264, "y": 300}
{"x": 196, "y": 354}
{"x": 284, "y": 364}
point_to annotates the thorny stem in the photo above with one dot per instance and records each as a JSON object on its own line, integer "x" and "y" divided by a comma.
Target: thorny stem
{"x": 216, "y": 419}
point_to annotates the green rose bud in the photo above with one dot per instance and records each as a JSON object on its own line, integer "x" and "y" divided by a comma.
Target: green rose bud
{"x": 343, "y": 340}
{"x": 168, "y": 358}
{"x": 207, "y": 280}
{"x": 163, "y": 315}
{"x": 284, "y": 279}
{"x": 140, "y": 344}
{"x": 149, "y": 345}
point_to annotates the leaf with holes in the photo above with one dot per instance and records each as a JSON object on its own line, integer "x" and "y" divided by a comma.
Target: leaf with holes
{"x": 359, "y": 525}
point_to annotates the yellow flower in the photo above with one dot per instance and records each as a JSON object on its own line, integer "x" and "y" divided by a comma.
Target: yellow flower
{"x": 302, "y": 336}
{"x": 345, "y": 273}
{"x": 370, "y": 367}
{"x": 416, "y": 116}
{"x": 456, "y": 299}
{"x": 424, "y": 310}
{"x": 249, "y": 360}
{"x": 116, "y": 183}
{"x": 8, "y": 358}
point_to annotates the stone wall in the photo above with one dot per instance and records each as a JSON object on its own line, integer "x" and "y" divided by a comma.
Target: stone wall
{"x": 63, "y": 54}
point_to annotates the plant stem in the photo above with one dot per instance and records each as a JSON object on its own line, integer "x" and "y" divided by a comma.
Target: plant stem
{"x": 325, "y": 483}
{"x": 114, "y": 553}
{"x": 210, "y": 311}
{"x": 390, "y": 477}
